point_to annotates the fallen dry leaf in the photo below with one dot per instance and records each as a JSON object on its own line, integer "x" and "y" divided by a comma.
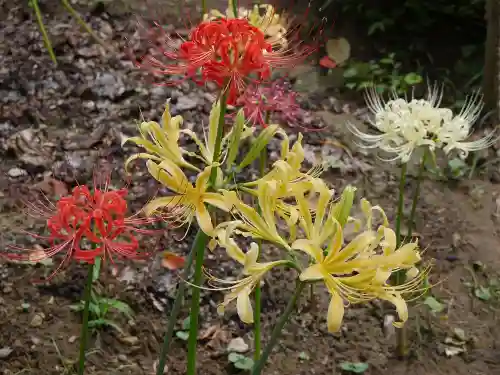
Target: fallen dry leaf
{"x": 172, "y": 261}
{"x": 52, "y": 187}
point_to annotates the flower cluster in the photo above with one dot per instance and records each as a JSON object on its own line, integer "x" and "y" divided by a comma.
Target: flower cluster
{"x": 354, "y": 270}
{"x": 408, "y": 124}
{"x": 230, "y": 51}
{"x": 260, "y": 102}
{"x": 86, "y": 224}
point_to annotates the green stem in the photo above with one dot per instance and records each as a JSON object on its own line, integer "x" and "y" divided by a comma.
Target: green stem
{"x": 43, "y": 30}
{"x": 203, "y": 7}
{"x": 195, "y": 304}
{"x": 416, "y": 195}
{"x": 259, "y": 366}
{"x": 399, "y": 217}
{"x": 258, "y": 291}
{"x": 176, "y": 308}
{"x": 82, "y": 23}
{"x": 200, "y": 251}
{"x": 85, "y": 323}
{"x": 235, "y": 8}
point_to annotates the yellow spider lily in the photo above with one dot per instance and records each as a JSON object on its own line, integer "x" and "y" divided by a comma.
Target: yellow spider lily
{"x": 356, "y": 273}
{"x": 161, "y": 142}
{"x": 272, "y": 24}
{"x": 252, "y": 223}
{"x": 287, "y": 170}
{"x": 254, "y": 272}
{"x": 188, "y": 201}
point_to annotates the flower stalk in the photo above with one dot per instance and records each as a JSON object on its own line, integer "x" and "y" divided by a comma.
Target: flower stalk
{"x": 259, "y": 366}
{"x": 176, "y": 308}
{"x": 200, "y": 249}
{"x": 85, "y": 323}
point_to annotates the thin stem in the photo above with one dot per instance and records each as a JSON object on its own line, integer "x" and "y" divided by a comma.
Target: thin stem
{"x": 258, "y": 291}
{"x": 176, "y": 308}
{"x": 195, "y": 303}
{"x": 235, "y": 8}
{"x": 85, "y": 323}
{"x": 259, "y": 366}
{"x": 82, "y": 23}
{"x": 200, "y": 251}
{"x": 43, "y": 30}
{"x": 399, "y": 217}
{"x": 416, "y": 195}
{"x": 203, "y": 7}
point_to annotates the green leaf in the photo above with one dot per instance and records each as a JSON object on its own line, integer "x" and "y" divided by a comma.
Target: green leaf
{"x": 483, "y": 293}
{"x": 76, "y": 307}
{"x": 98, "y": 323}
{"x": 435, "y": 306}
{"x": 350, "y": 72}
{"x": 234, "y": 139}
{"x": 119, "y": 306}
{"x": 240, "y": 361}
{"x": 97, "y": 269}
{"x": 186, "y": 324}
{"x": 258, "y": 145}
{"x": 350, "y": 85}
{"x": 244, "y": 364}
{"x": 413, "y": 78}
{"x": 182, "y": 335}
{"x": 355, "y": 367}
{"x": 386, "y": 61}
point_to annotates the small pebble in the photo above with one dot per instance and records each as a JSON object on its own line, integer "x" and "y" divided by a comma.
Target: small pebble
{"x": 16, "y": 172}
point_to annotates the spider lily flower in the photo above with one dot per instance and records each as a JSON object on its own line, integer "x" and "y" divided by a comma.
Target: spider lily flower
{"x": 259, "y": 102}
{"x": 86, "y": 224}
{"x": 355, "y": 273}
{"x": 187, "y": 201}
{"x": 453, "y": 134}
{"x": 161, "y": 142}
{"x": 404, "y": 125}
{"x": 228, "y": 52}
{"x": 251, "y": 223}
{"x": 321, "y": 223}
{"x": 253, "y": 271}
{"x": 272, "y": 24}
{"x": 287, "y": 170}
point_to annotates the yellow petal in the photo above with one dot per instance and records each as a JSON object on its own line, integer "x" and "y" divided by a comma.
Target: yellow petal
{"x": 170, "y": 175}
{"x": 313, "y": 250}
{"x": 141, "y": 155}
{"x": 217, "y": 200}
{"x": 401, "y": 307}
{"x": 202, "y": 180}
{"x": 335, "y": 313}
{"x": 251, "y": 256}
{"x": 163, "y": 203}
{"x": 356, "y": 247}
{"x": 244, "y": 306}
{"x": 335, "y": 245}
{"x": 314, "y": 272}
{"x": 203, "y": 218}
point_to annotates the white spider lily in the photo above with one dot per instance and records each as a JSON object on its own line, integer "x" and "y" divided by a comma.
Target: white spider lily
{"x": 454, "y": 133}
{"x": 404, "y": 125}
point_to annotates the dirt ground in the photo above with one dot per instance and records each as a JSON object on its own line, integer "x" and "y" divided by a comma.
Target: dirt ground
{"x": 56, "y": 123}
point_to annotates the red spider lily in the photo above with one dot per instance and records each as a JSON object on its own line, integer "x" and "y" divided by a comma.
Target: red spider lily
{"x": 276, "y": 100}
{"x": 86, "y": 224}
{"x": 228, "y": 52}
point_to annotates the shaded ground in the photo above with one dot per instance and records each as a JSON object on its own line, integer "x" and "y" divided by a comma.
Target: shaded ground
{"x": 57, "y": 123}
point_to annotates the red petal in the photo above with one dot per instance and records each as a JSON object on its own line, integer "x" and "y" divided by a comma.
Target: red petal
{"x": 327, "y": 62}
{"x": 172, "y": 261}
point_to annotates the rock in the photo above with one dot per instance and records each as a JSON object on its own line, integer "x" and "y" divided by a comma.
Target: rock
{"x": 122, "y": 358}
{"x": 72, "y": 339}
{"x": 237, "y": 345}
{"x": 185, "y": 103}
{"x": 7, "y": 289}
{"x": 109, "y": 86}
{"x": 130, "y": 340}
{"x": 16, "y": 172}
{"x": 35, "y": 340}
{"x": 5, "y": 352}
{"x": 37, "y": 320}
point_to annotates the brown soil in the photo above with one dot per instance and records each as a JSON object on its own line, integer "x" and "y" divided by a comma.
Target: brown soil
{"x": 456, "y": 223}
